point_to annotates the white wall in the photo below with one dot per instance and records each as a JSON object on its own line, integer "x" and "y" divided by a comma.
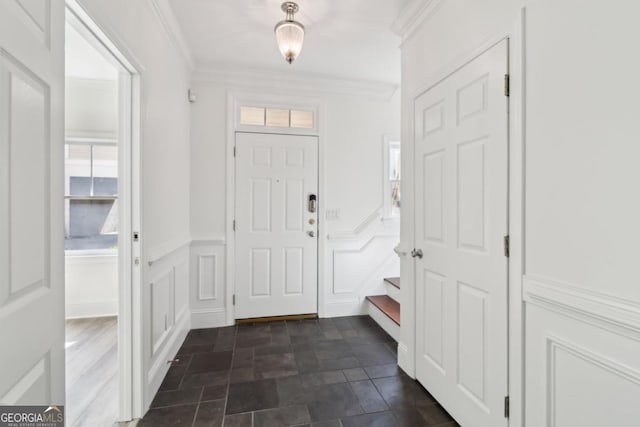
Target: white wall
{"x": 91, "y": 285}
{"x": 579, "y": 280}
{"x": 138, "y": 32}
{"x": 352, "y": 126}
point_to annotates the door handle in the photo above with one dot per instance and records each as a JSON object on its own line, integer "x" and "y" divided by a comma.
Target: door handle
{"x": 311, "y": 233}
{"x": 417, "y": 253}
{"x": 312, "y": 203}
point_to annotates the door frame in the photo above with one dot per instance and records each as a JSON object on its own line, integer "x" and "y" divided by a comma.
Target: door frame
{"x": 515, "y": 34}
{"x": 130, "y": 321}
{"x": 234, "y": 101}
{"x": 318, "y": 194}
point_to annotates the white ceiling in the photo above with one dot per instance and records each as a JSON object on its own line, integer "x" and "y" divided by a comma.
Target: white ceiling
{"x": 348, "y": 39}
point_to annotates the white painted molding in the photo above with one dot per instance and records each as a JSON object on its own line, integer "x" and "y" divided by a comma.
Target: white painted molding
{"x": 91, "y": 309}
{"x": 360, "y": 228}
{"x": 163, "y": 250}
{"x": 413, "y": 15}
{"x": 405, "y": 359}
{"x": 555, "y": 344}
{"x": 178, "y": 334}
{"x": 208, "y": 241}
{"x": 170, "y": 25}
{"x": 208, "y": 318}
{"x": 575, "y": 300}
{"x": 308, "y": 84}
{"x": 203, "y": 294}
{"x": 350, "y": 307}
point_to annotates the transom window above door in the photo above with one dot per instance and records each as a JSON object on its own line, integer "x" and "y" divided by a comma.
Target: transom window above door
{"x": 267, "y": 117}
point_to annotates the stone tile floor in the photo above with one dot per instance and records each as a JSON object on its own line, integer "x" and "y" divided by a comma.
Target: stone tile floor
{"x": 324, "y": 373}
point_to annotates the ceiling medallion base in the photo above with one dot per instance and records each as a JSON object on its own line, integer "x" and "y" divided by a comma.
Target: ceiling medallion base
{"x": 289, "y": 6}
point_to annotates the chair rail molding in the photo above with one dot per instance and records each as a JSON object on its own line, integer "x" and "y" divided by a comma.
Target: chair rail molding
{"x": 615, "y": 314}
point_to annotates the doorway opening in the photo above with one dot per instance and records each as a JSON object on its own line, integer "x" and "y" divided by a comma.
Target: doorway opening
{"x": 101, "y": 210}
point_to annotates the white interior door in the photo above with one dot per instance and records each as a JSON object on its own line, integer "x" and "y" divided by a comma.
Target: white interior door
{"x": 276, "y": 253}
{"x": 461, "y": 149}
{"x": 31, "y": 209}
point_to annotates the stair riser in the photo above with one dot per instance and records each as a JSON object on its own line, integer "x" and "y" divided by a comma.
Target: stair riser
{"x": 383, "y": 320}
{"x": 393, "y": 292}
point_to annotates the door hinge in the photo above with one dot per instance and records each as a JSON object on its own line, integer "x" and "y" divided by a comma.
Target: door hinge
{"x": 234, "y": 299}
{"x": 506, "y": 246}
{"x": 506, "y": 85}
{"x": 234, "y": 225}
{"x": 234, "y": 151}
{"x": 506, "y": 407}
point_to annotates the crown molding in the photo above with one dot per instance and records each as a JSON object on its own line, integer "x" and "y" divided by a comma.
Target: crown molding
{"x": 167, "y": 19}
{"x": 414, "y": 14}
{"x": 308, "y": 84}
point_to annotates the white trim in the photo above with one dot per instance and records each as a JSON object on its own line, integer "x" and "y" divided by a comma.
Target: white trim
{"x": 516, "y": 325}
{"x": 165, "y": 249}
{"x": 170, "y": 347}
{"x": 351, "y": 307}
{"x": 91, "y": 309}
{"x": 359, "y": 229}
{"x": 208, "y": 241}
{"x": 387, "y": 143}
{"x": 208, "y": 318}
{"x": 615, "y": 314}
{"x": 415, "y": 14}
{"x": 167, "y": 19}
{"x": 304, "y": 84}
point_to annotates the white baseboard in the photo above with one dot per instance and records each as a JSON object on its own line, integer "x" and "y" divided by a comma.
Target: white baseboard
{"x": 91, "y": 309}
{"x": 208, "y": 318}
{"x": 406, "y": 360}
{"x": 344, "y": 308}
{"x": 160, "y": 366}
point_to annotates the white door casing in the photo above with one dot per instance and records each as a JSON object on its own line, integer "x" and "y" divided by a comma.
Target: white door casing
{"x": 276, "y": 234}
{"x": 31, "y": 208}
{"x": 461, "y": 218}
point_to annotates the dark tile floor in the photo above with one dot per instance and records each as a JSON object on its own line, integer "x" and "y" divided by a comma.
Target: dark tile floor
{"x": 324, "y": 373}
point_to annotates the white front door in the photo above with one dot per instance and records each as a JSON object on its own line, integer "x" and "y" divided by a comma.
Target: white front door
{"x": 276, "y": 256}
{"x": 461, "y": 148}
{"x": 31, "y": 209}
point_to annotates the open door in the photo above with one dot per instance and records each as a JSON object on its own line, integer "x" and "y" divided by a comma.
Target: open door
{"x": 31, "y": 209}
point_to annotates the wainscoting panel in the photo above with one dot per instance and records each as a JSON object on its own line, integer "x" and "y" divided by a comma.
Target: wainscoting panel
{"x": 583, "y": 357}
{"x": 167, "y": 313}
{"x": 207, "y": 294}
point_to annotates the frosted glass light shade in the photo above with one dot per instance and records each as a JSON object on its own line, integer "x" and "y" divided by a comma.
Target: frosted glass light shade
{"x": 289, "y": 35}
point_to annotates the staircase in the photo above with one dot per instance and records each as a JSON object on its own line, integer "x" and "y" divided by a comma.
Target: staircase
{"x": 385, "y": 309}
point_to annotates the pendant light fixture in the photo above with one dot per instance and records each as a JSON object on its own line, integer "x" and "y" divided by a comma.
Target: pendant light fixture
{"x": 289, "y": 33}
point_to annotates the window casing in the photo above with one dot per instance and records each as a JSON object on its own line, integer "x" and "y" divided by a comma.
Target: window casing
{"x": 392, "y": 178}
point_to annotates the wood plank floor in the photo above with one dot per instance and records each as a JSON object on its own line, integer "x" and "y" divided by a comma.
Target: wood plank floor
{"x": 91, "y": 372}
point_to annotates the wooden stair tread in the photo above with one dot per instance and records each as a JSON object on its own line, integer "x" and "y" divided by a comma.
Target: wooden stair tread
{"x": 387, "y": 305}
{"x": 395, "y": 281}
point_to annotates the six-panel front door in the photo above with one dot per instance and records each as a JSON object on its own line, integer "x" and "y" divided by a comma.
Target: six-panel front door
{"x": 276, "y": 225}
{"x": 461, "y": 150}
